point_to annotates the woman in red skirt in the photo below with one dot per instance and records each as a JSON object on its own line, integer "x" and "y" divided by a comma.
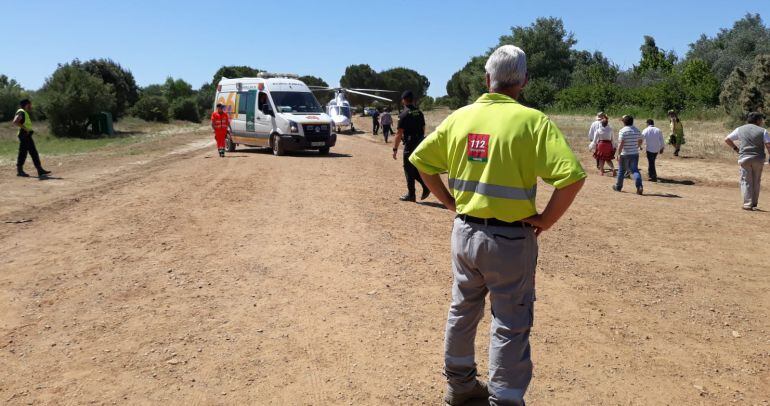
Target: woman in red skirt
{"x": 604, "y": 146}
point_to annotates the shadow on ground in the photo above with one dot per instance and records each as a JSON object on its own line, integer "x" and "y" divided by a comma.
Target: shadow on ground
{"x": 295, "y": 154}
{"x": 668, "y": 195}
{"x": 685, "y": 182}
{"x": 432, "y": 204}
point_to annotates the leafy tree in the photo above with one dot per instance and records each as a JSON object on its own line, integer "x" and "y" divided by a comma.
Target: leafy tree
{"x": 540, "y": 92}
{"x": 204, "y": 98}
{"x": 700, "y": 85}
{"x": 400, "y": 79}
{"x": 592, "y": 69}
{"x": 234, "y": 72}
{"x": 467, "y": 84}
{"x": 322, "y": 96}
{"x": 185, "y": 108}
{"x": 427, "y": 103}
{"x": 360, "y": 76}
{"x": 550, "y": 64}
{"x": 122, "y": 81}
{"x": 549, "y": 49}
{"x": 71, "y": 95}
{"x": 151, "y": 107}
{"x": 756, "y": 94}
{"x": 175, "y": 89}
{"x": 653, "y": 58}
{"x": 731, "y": 92}
{"x": 732, "y": 48}
{"x": 152, "y": 90}
{"x": 10, "y": 95}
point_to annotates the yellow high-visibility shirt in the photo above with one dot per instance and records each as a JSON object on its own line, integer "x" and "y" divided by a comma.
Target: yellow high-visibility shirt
{"x": 494, "y": 150}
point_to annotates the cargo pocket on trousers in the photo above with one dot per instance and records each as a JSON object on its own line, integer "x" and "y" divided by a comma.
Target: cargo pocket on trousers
{"x": 517, "y": 317}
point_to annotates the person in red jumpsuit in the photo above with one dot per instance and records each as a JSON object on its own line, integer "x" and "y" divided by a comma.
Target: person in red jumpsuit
{"x": 220, "y": 122}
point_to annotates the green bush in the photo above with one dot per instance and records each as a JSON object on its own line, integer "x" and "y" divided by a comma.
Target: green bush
{"x": 185, "y": 109}
{"x": 122, "y": 80}
{"x": 151, "y": 107}
{"x": 427, "y": 103}
{"x": 10, "y": 95}
{"x": 539, "y": 93}
{"x": 70, "y": 96}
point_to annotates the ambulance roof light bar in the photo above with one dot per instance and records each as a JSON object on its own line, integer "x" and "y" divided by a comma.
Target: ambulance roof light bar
{"x": 269, "y": 75}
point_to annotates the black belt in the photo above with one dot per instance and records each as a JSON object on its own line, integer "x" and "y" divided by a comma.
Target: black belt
{"x": 491, "y": 222}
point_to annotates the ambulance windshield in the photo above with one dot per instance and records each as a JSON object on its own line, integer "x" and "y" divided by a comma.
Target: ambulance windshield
{"x": 296, "y": 102}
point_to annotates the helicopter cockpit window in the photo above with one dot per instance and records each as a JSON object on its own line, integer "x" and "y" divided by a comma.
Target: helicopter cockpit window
{"x": 345, "y": 111}
{"x": 296, "y": 102}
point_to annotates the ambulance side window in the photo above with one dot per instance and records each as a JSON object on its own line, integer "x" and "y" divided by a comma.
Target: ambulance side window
{"x": 261, "y": 101}
{"x": 243, "y": 102}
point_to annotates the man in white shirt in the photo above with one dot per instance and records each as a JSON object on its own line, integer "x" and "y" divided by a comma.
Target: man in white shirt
{"x": 629, "y": 144}
{"x": 600, "y": 116}
{"x": 753, "y": 139}
{"x": 653, "y": 140}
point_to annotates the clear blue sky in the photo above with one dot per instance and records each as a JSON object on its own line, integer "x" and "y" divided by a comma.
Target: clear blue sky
{"x": 192, "y": 39}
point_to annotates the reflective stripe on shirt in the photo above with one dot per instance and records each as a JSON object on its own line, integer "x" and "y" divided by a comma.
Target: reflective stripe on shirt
{"x": 487, "y": 189}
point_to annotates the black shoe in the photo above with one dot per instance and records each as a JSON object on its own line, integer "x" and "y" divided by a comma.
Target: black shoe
{"x": 425, "y": 194}
{"x": 640, "y": 190}
{"x": 221, "y": 153}
{"x": 22, "y": 174}
{"x": 615, "y": 188}
{"x": 407, "y": 198}
{"x": 43, "y": 172}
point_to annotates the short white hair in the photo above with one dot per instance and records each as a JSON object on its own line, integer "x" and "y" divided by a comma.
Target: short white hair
{"x": 507, "y": 67}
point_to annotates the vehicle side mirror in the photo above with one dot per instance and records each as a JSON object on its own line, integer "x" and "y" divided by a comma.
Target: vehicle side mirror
{"x": 266, "y": 110}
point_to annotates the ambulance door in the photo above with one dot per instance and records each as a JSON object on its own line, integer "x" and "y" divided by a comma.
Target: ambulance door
{"x": 238, "y": 118}
{"x": 264, "y": 122}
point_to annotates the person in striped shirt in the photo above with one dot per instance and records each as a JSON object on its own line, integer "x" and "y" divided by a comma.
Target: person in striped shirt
{"x": 629, "y": 144}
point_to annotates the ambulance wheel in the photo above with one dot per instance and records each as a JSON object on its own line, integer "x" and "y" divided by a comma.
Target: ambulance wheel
{"x": 229, "y": 144}
{"x": 323, "y": 151}
{"x": 278, "y": 146}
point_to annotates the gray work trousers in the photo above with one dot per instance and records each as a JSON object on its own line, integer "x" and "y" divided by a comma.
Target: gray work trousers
{"x": 501, "y": 261}
{"x": 751, "y": 177}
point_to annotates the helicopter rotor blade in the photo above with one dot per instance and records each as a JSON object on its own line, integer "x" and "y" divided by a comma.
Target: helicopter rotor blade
{"x": 368, "y": 95}
{"x": 375, "y": 90}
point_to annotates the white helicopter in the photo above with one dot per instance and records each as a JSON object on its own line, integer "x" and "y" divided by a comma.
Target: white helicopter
{"x": 339, "y": 107}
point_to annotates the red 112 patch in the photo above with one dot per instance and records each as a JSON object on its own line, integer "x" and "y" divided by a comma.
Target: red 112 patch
{"x": 478, "y": 147}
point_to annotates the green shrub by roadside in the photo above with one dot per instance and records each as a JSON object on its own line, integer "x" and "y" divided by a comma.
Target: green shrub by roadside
{"x": 151, "y": 107}
{"x": 185, "y": 108}
{"x": 70, "y": 96}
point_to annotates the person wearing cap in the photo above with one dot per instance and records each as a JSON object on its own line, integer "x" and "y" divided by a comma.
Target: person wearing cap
{"x": 411, "y": 130}
{"x": 493, "y": 151}
{"x": 220, "y": 123}
{"x": 754, "y": 140}
{"x": 26, "y": 143}
{"x": 599, "y": 124}
{"x": 629, "y": 144}
{"x": 677, "y": 132}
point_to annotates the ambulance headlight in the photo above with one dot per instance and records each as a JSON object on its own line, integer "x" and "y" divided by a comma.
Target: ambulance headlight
{"x": 293, "y": 127}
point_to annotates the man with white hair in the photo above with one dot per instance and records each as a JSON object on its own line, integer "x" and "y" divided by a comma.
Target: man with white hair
{"x": 493, "y": 151}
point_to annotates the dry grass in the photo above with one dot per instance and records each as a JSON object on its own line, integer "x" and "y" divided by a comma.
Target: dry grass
{"x": 705, "y": 139}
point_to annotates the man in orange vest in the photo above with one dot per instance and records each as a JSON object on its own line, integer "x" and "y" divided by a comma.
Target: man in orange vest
{"x": 220, "y": 122}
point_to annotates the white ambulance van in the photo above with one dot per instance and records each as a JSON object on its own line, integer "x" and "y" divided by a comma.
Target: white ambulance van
{"x": 275, "y": 111}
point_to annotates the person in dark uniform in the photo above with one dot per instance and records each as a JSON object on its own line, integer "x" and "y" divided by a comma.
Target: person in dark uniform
{"x": 26, "y": 143}
{"x": 411, "y": 130}
{"x": 375, "y": 121}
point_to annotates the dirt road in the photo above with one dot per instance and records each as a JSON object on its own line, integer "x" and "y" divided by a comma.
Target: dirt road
{"x": 184, "y": 278}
